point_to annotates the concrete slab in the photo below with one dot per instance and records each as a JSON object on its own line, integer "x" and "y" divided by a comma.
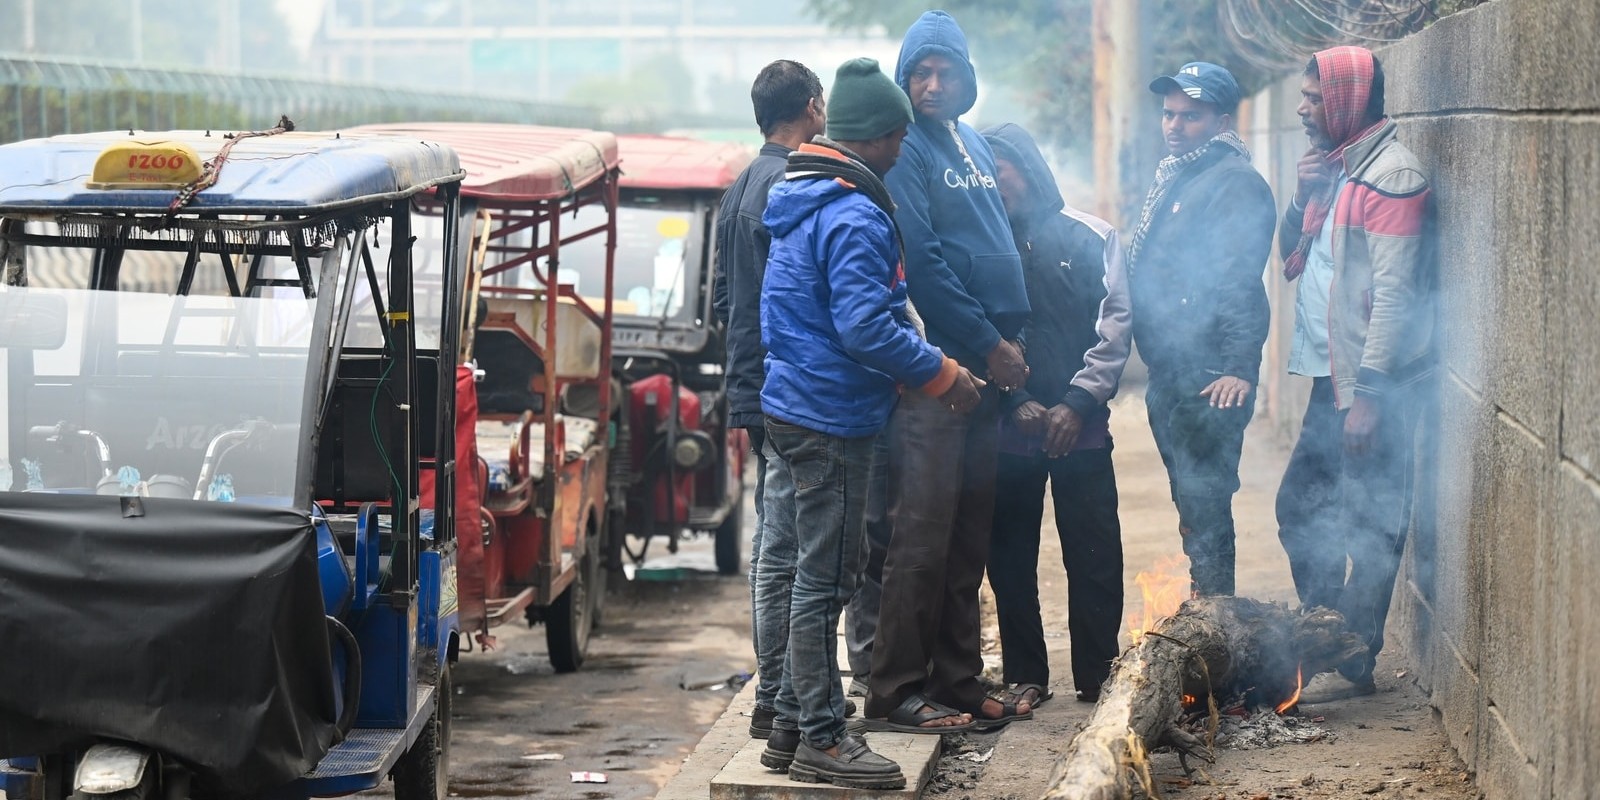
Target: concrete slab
{"x": 745, "y": 779}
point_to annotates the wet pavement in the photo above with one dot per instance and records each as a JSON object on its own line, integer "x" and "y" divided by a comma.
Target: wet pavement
{"x": 521, "y": 730}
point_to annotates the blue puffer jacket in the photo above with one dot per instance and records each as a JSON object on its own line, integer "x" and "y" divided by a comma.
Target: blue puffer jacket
{"x": 833, "y": 313}
{"x": 961, "y": 262}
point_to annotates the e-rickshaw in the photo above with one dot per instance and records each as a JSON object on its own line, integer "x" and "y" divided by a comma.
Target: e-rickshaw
{"x": 540, "y": 413}
{"x": 222, "y": 382}
{"x": 677, "y": 466}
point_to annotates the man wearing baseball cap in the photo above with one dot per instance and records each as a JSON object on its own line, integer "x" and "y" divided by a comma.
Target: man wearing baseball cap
{"x": 1200, "y": 308}
{"x": 840, "y": 342}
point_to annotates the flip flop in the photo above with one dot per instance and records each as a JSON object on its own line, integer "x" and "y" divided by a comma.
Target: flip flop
{"x": 909, "y": 717}
{"x": 1008, "y": 715}
{"x": 1040, "y": 694}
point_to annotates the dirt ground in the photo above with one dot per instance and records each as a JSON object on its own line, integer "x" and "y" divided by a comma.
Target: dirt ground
{"x": 627, "y": 713}
{"x": 1388, "y": 745}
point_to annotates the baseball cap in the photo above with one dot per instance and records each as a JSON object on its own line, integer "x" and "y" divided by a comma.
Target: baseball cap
{"x": 1202, "y": 81}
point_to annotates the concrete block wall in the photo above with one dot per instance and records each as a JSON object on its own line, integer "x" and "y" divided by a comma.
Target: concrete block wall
{"x": 1499, "y": 600}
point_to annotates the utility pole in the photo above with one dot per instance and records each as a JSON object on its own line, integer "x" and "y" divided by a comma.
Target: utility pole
{"x": 1117, "y": 97}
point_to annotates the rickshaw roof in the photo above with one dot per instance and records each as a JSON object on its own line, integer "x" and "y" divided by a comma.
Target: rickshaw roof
{"x": 670, "y": 162}
{"x": 518, "y": 163}
{"x": 295, "y": 171}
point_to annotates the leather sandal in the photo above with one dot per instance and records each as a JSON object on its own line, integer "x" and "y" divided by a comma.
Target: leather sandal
{"x": 909, "y": 717}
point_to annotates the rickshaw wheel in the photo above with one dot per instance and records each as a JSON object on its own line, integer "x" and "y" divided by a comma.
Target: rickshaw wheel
{"x": 729, "y": 539}
{"x": 423, "y": 771}
{"x": 571, "y": 617}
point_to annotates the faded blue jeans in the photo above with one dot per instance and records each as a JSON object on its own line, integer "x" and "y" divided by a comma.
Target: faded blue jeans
{"x": 772, "y": 556}
{"x": 831, "y": 476}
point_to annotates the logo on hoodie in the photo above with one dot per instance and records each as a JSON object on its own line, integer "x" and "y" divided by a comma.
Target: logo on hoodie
{"x": 972, "y": 180}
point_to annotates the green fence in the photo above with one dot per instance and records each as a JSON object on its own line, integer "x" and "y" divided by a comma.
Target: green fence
{"x": 46, "y": 97}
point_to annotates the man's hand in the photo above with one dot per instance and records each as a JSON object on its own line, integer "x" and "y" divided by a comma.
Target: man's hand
{"x": 1227, "y": 392}
{"x": 1315, "y": 175}
{"x": 1006, "y": 366}
{"x": 1361, "y": 426}
{"x": 1030, "y": 418}
{"x": 1062, "y": 433}
{"x": 962, "y": 396}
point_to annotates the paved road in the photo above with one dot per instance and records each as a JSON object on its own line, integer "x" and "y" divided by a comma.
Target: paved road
{"x": 625, "y": 713}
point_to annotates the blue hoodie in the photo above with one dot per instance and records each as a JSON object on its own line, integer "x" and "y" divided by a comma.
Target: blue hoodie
{"x": 961, "y": 263}
{"x": 833, "y": 313}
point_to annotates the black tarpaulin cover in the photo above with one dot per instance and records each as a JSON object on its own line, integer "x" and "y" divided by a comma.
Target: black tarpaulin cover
{"x": 196, "y": 629}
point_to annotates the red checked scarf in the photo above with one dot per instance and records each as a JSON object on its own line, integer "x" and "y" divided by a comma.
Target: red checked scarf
{"x": 1346, "y": 77}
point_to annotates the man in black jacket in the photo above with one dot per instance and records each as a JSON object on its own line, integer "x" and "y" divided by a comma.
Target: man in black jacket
{"x": 789, "y": 109}
{"x": 1057, "y": 427}
{"x": 1200, "y": 308}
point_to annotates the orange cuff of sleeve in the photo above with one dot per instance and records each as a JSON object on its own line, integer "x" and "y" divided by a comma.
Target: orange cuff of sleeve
{"x": 945, "y": 379}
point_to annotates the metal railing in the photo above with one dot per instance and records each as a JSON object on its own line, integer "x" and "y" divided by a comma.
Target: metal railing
{"x": 44, "y": 97}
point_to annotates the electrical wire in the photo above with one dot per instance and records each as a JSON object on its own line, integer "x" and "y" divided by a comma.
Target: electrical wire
{"x": 1281, "y": 34}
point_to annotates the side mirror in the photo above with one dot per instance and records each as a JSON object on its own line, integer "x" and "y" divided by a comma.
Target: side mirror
{"x": 31, "y": 320}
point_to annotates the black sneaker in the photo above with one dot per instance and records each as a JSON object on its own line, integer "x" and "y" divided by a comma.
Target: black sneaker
{"x": 780, "y": 749}
{"x": 761, "y": 722}
{"x": 856, "y": 766}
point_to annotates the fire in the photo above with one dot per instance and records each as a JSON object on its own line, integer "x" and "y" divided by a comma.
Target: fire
{"x": 1293, "y": 698}
{"x": 1189, "y": 700}
{"x": 1163, "y": 589}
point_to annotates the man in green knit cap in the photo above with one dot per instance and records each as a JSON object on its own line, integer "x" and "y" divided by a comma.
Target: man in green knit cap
{"x": 840, "y": 345}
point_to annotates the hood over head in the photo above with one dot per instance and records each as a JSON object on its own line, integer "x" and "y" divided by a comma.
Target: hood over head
{"x": 1012, "y": 143}
{"x": 936, "y": 33}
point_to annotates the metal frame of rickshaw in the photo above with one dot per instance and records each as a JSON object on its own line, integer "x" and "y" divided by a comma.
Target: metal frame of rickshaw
{"x": 406, "y": 634}
{"x": 520, "y": 183}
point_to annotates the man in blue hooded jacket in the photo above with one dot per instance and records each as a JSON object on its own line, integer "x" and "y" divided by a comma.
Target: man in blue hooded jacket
{"x": 966, "y": 281}
{"x": 839, "y": 342}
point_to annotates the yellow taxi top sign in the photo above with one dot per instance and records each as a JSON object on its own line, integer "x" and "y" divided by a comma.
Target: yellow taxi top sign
{"x": 145, "y": 165}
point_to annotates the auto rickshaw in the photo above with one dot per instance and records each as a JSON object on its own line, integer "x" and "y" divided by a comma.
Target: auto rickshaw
{"x": 677, "y": 466}
{"x": 539, "y": 414}
{"x": 224, "y": 373}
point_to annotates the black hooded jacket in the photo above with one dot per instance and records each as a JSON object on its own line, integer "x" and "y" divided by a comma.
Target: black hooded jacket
{"x": 1080, "y": 331}
{"x": 1200, "y": 306}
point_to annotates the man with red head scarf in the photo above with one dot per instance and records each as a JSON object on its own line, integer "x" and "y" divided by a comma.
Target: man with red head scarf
{"x": 1353, "y": 238}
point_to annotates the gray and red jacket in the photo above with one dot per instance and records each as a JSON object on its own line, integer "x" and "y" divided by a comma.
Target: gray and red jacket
{"x": 1381, "y": 303}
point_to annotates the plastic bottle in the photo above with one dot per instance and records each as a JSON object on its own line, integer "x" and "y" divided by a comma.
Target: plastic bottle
{"x": 221, "y": 489}
{"x": 5, "y": 474}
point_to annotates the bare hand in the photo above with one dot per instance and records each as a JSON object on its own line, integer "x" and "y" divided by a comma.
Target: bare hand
{"x": 1007, "y": 367}
{"x": 1315, "y": 175}
{"x": 1064, "y": 427}
{"x": 962, "y": 396}
{"x": 1030, "y": 418}
{"x": 1361, "y": 426}
{"x": 1227, "y": 392}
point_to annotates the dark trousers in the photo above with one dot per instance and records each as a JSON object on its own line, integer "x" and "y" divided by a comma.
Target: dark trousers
{"x": 1084, "y": 487}
{"x": 861, "y": 616}
{"x": 1200, "y": 446}
{"x": 1334, "y": 507}
{"x": 941, "y": 506}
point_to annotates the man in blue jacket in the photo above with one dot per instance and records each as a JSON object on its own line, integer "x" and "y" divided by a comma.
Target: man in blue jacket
{"x": 789, "y": 110}
{"x": 966, "y": 281}
{"x": 839, "y": 344}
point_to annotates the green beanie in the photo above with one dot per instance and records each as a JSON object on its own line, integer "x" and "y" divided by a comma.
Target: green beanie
{"x": 864, "y": 104}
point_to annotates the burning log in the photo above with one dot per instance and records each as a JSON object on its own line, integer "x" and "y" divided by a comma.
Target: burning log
{"x": 1212, "y": 647}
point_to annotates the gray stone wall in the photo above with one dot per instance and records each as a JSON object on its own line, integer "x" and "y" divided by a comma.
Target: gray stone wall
{"x": 1498, "y": 604}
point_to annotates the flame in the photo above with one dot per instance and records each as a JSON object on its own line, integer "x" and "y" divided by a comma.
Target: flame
{"x": 1189, "y": 700}
{"x": 1293, "y": 698}
{"x": 1162, "y": 589}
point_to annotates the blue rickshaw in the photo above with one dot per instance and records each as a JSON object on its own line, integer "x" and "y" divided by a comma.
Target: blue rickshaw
{"x": 227, "y": 566}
